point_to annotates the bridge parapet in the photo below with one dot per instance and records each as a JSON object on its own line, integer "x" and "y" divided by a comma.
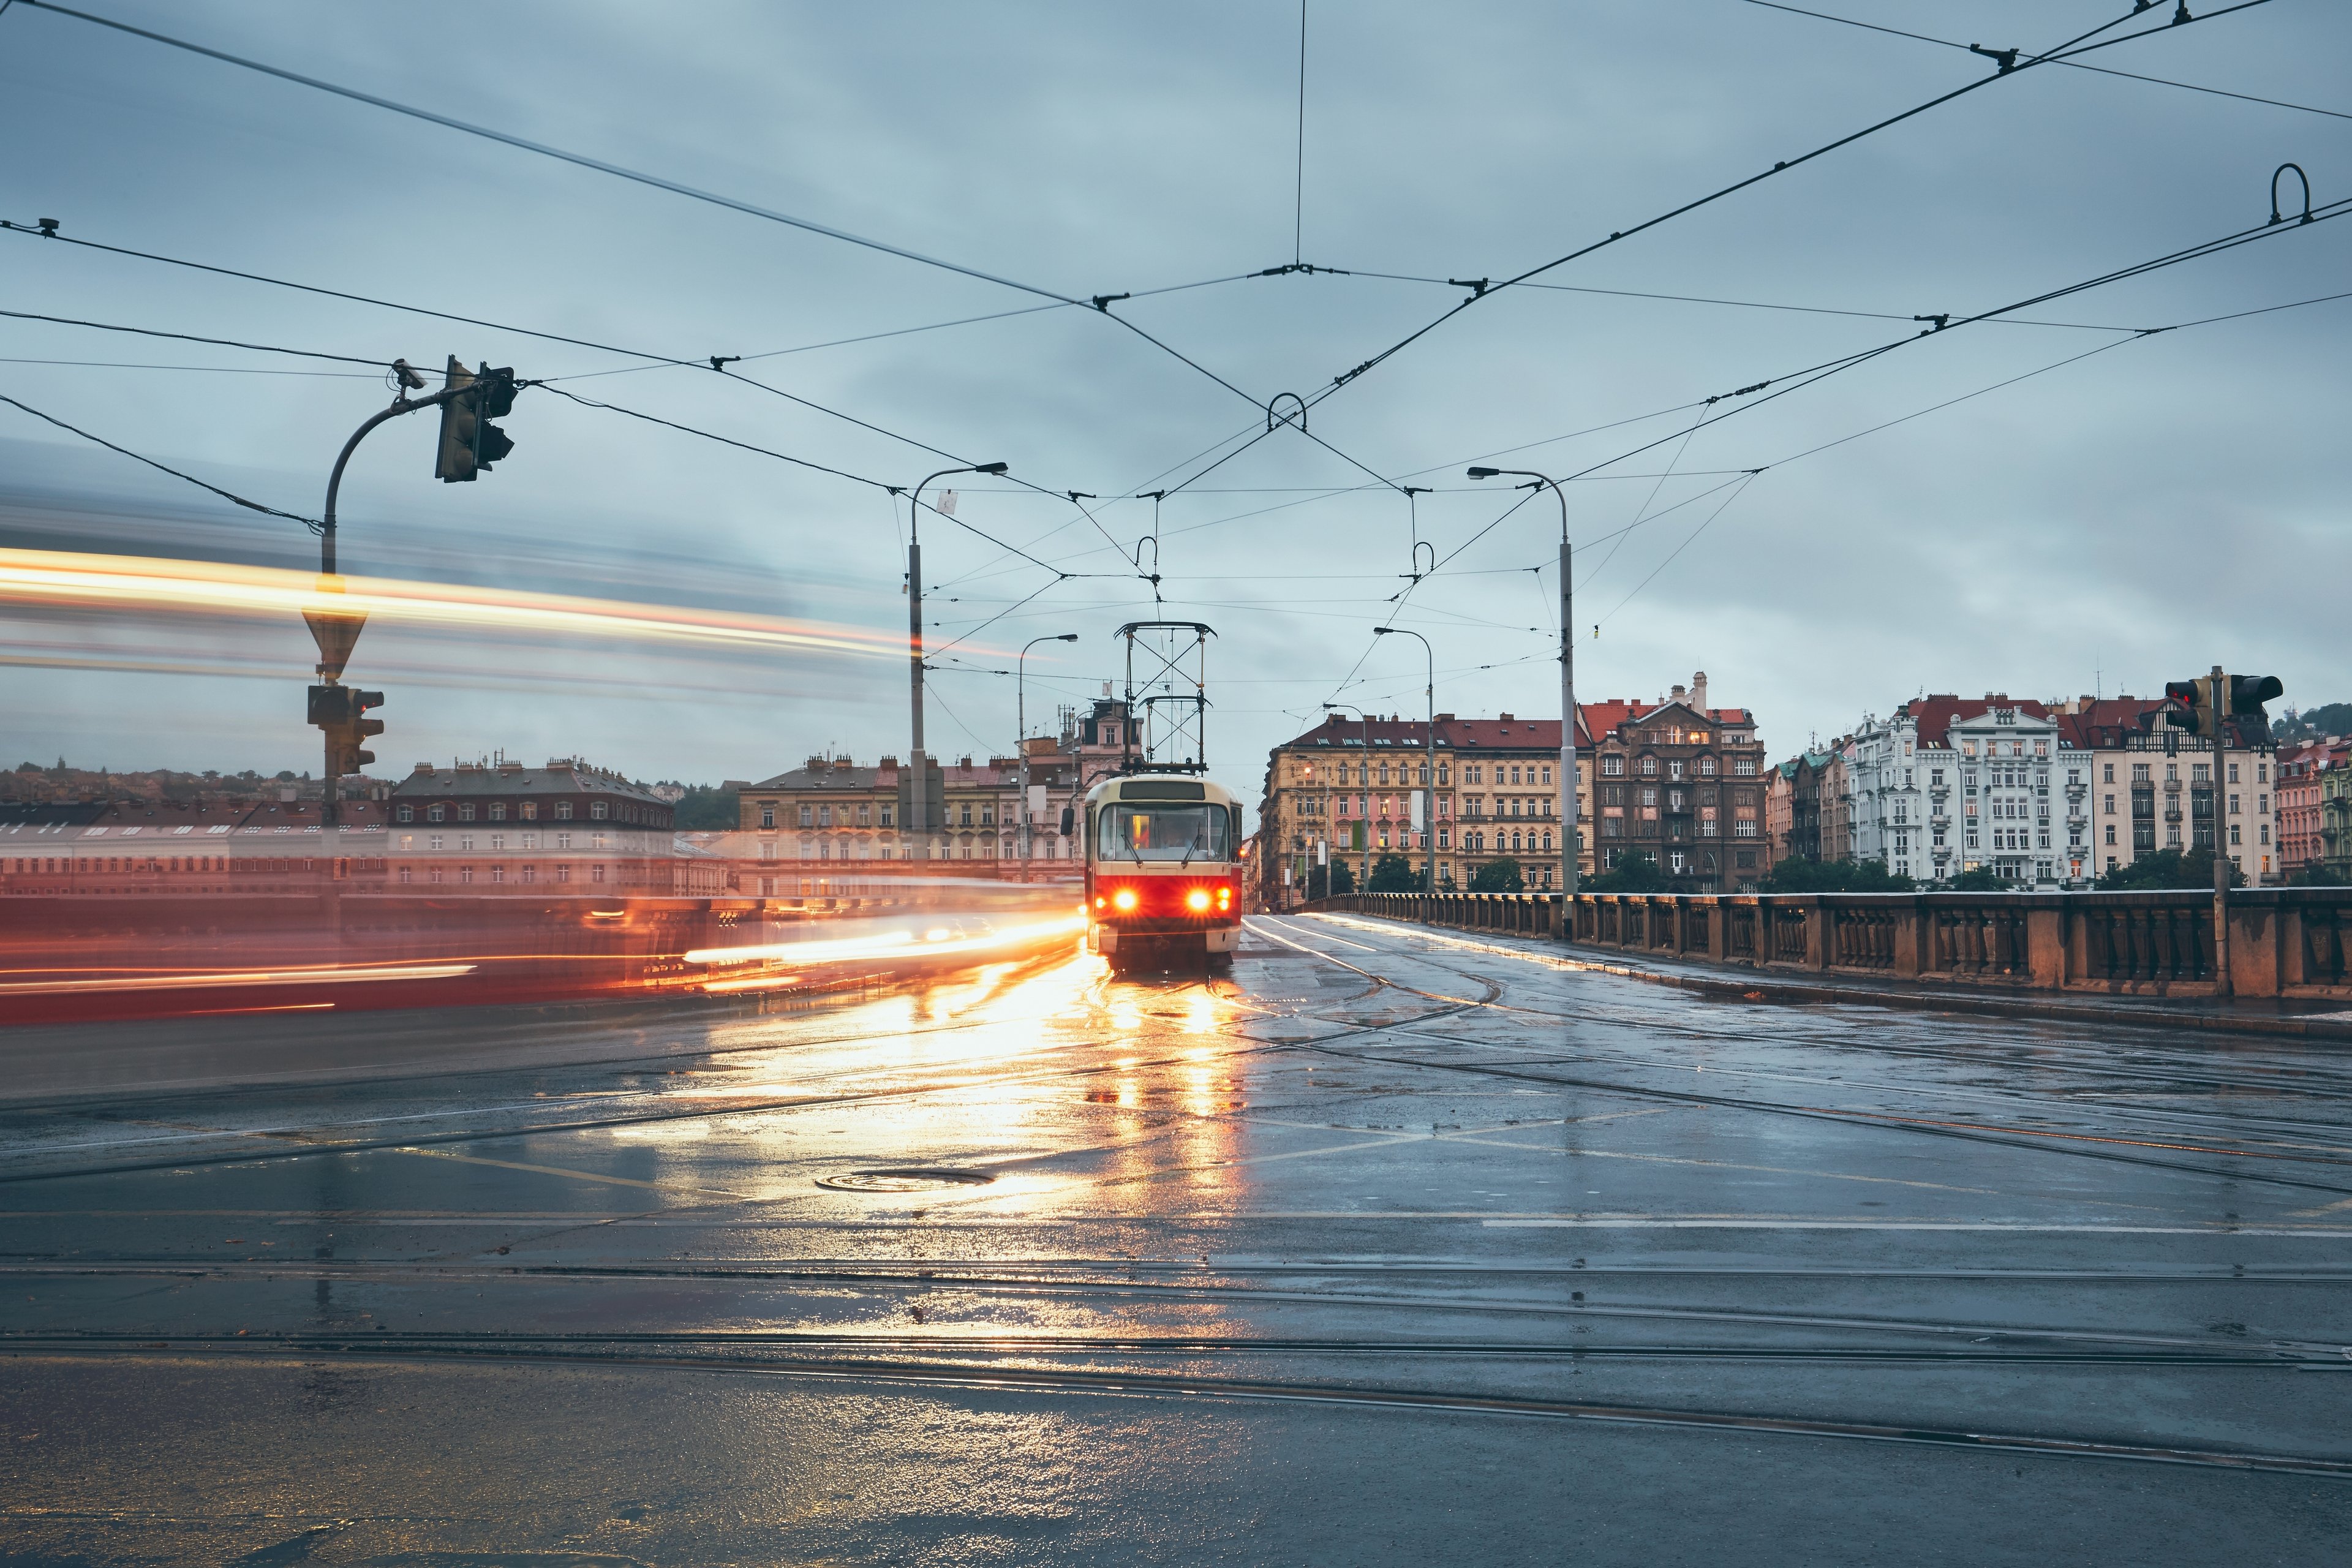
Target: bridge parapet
{"x": 2283, "y": 941}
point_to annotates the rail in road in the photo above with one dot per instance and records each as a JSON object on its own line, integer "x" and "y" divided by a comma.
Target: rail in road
{"x": 1401, "y": 1243}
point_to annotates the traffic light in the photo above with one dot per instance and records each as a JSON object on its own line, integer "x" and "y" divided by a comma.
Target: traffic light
{"x": 342, "y": 712}
{"x": 2188, "y": 705}
{"x": 455, "y": 458}
{"x": 469, "y": 442}
{"x": 2249, "y": 693}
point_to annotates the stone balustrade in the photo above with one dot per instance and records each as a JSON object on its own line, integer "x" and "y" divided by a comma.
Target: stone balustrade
{"x": 2283, "y": 942}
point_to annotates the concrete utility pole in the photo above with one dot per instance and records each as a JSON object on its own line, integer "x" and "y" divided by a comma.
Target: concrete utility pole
{"x": 918, "y": 821}
{"x": 2218, "y": 705}
{"x": 1021, "y": 723}
{"x": 1429, "y": 767}
{"x": 1571, "y": 846}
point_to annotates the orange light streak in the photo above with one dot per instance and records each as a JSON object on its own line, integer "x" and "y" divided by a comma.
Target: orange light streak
{"x": 59, "y": 579}
{"x": 318, "y": 974}
{"x": 890, "y": 944}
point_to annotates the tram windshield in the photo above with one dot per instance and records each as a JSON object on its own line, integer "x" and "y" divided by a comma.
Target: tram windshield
{"x": 1147, "y": 833}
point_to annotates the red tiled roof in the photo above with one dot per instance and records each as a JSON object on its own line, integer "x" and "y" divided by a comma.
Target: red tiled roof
{"x": 1935, "y": 715}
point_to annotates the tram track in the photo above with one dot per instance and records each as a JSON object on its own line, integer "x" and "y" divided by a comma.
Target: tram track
{"x": 2330, "y": 1353}
{"x": 1003, "y": 1380}
{"x": 2012, "y": 1138}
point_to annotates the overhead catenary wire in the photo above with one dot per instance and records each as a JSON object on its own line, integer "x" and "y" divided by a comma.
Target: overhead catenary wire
{"x": 2078, "y": 65}
{"x": 1099, "y": 302}
{"x": 309, "y": 522}
{"x": 1487, "y": 289}
{"x": 193, "y": 338}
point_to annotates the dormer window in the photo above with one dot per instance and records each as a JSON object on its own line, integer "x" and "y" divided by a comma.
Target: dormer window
{"x": 466, "y": 814}
{"x": 530, "y": 809}
{"x": 435, "y": 814}
{"x": 599, "y": 810}
{"x": 498, "y": 811}
{"x": 406, "y": 813}
{"x": 562, "y": 811}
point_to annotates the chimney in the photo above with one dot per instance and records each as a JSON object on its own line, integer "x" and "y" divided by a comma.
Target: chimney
{"x": 1678, "y": 694}
{"x": 1698, "y": 691}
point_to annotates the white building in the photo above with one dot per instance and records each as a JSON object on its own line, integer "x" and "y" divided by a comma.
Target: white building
{"x": 1887, "y": 806}
{"x": 1996, "y": 772}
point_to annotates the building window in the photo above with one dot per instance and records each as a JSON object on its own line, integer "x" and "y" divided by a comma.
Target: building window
{"x": 599, "y": 810}
{"x": 1610, "y": 767}
{"x": 562, "y": 811}
{"x": 404, "y": 874}
{"x": 824, "y": 817}
{"x": 437, "y": 814}
{"x": 405, "y": 814}
{"x": 1744, "y": 767}
{"x": 1649, "y": 768}
{"x": 498, "y": 812}
{"x": 563, "y": 873}
{"x": 864, "y": 813}
{"x": 464, "y": 873}
{"x": 466, "y": 814}
{"x": 596, "y": 873}
{"x": 1706, "y": 767}
{"x": 767, "y": 815}
{"x": 497, "y": 873}
{"x": 530, "y": 809}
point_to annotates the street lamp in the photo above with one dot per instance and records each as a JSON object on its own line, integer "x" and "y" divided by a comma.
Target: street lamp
{"x": 1429, "y": 773}
{"x": 918, "y": 821}
{"x": 1569, "y": 844}
{"x": 1021, "y": 723}
{"x": 1367, "y": 720}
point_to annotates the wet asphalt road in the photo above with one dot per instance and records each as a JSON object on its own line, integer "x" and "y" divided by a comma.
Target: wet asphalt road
{"x": 1396, "y": 1247}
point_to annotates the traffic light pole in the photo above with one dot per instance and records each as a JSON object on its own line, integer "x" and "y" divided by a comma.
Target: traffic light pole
{"x": 337, "y": 633}
{"x": 2219, "y": 708}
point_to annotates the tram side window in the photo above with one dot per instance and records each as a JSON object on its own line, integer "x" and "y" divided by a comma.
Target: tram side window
{"x": 1178, "y": 833}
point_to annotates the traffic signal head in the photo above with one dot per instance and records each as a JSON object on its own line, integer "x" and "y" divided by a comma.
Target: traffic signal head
{"x": 469, "y": 442}
{"x": 494, "y": 396}
{"x": 342, "y": 712}
{"x": 2249, "y": 693}
{"x": 2187, "y": 706}
{"x": 454, "y": 460}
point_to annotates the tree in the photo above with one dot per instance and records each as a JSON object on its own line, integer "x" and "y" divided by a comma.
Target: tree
{"x": 1979, "y": 879}
{"x": 1393, "y": 874}
{"x": 2317, "y": 874}
{"x": 1635, "y": 872}
{"x": 1800, "y": 875}
{"x": 1499, "y": 877}
{"x": 1322, "y": 881}
{"x": 2328, "y": 719}
{"x": 2167, "y": 868}
{"x": 703, "y": 809}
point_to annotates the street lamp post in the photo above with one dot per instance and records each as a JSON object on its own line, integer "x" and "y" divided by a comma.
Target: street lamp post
{"x": 1366, "y": 720}
{"x": 1021, "y": 723}
{"x": 918, "y": 822}
{"x": 1429, "y": 768}
{"x": 1569, "y": 844}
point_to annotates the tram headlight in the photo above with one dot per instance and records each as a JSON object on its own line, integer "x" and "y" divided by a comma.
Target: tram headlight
{"x": 1123, "y": 901}
{"x": 1197, "y": 900}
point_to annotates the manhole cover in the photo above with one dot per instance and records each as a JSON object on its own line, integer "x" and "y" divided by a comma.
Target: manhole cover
{"x": 912, "y": 1179}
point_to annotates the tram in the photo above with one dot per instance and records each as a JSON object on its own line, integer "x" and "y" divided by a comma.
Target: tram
{"x": 1163, "y": 871}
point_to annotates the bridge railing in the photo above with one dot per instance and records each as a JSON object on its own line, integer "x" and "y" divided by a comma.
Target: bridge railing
{"x": 2283, "y": 941}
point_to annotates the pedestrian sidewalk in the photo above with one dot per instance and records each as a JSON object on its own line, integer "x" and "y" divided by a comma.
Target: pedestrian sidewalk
{"x": 2315, "y": 1019}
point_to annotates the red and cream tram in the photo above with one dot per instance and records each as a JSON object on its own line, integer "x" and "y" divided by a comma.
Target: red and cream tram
{"x": 1163, "y": 871}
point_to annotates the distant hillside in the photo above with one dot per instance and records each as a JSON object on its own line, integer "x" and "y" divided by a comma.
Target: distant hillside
{"x": 32, "y": 781}
{"x": 2330, "y": 719}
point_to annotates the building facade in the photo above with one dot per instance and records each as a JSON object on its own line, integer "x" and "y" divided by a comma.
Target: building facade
{"x": 566, "y": 825}
{"x": 831, "y": 819}
{"x": 1344, "y": 791}
{"x": 2301, "y": 766}
{"x": 2336, "y": 822}
{"x": 1684, "y": 784}
{"x": 1887, "y": 814}
{"x": 2155, "y": 789}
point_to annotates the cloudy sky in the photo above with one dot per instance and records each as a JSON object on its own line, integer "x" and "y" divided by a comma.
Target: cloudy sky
{"x": 2170, "y": 501}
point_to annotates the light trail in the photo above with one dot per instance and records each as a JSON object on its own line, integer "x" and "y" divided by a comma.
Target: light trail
{"x": 891, "y": 944}
{"x": 319, "y": 974}
{"x": 63, "y": 580}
